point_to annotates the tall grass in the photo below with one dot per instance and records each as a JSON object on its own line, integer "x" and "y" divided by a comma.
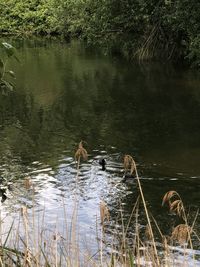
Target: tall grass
{"x": 29, "y": 243}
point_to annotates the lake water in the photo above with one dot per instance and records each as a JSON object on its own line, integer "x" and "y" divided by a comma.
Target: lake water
{"x": 65, "y": 93}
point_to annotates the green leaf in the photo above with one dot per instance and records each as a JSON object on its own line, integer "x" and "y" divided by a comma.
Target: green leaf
{"x": 7, "y": 45}
{"x": 11, "y": 73}
{"x": 9, "y": 49}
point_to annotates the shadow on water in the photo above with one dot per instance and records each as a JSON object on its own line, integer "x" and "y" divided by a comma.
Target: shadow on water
{"x": 65, "y": 94}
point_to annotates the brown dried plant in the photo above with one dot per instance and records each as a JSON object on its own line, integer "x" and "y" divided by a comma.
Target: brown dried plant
{"x": 23, "y": 211}
{"x": 104, "y": 212}
{"x": 177, "y": 207}
{"x": 129, "y": 164}
{"x": 27, "y": 183}
{"x": 173, "y": 199}
{"x": 169, "y": 196}
{"x": 148, "y": 233}
{"x": 165, "y": 240}
{"x": 81, "y": 152}
{"x": 181, "y": 233}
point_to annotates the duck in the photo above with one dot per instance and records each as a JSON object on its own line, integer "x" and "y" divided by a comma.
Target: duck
{"x": 3, "y": 198}
{"x": 4, "y": 190}
{"x": 3, "y": 194}
{"x": 102, "y": 162}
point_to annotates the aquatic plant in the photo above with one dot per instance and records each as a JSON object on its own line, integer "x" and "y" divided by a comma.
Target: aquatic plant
{"x": 7, "y": 52}
{"x": 81, "y": 153}
{"x": 104, "y": 212}
{"x": 33, "y": 244}
{"x": 182, "y": 232}
{"x": 129, "y": 164}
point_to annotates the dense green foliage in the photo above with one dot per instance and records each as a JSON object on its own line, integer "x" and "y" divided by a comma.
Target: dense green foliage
{"x": 168, "y": 29}
{"x": 138, "y": 28}
{"x": 27, "y": 16}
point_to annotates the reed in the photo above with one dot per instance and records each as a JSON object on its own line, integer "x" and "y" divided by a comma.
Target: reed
{"x": 81, "y": 153}
{"x": 104, "y": 212}
{"x": 182, "y": 232}
{"x": 29, "y": 243}
{"x": 130, "y": 163}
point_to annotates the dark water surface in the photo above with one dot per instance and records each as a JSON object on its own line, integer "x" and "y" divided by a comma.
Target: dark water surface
{"x": 64, "y": 94}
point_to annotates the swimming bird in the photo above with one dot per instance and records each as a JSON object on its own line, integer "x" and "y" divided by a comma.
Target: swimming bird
{"x": 102, "y": 162}
{"x": 4, "y": 189}
{"x": 3, "y": 194}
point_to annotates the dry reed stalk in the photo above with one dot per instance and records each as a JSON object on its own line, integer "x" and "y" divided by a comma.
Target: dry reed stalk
{"x": 165, "y": 240}
{"x": 27, "y": 183}
{"x": 41, "y": 241}
{"x": 55, "y": 247}
{"x": 148, "y": 232}
{"x": 173, "y": 199}
{"x": 17, "y": 235}
{"x": 197, "y": 236}
{"x": 180, "y": 233}
{"x": 81, "y": 152}
{"x": 131, "y": 216}
{"x": 101, "y": 246}
{"x": 123, "y": 241}
{"x": 195, "y": 218}
{"x": 115, "y": 257}
{"x": 66, "y": 224}
{"x": 104, "y": 215}
{"x": 129, "y": 160}
{"x": 137, "y": 237}
{"x": 29, "y": 257}
{"x": 104, "y": 212}
{"x": 136, "y": 251}
{"x": 166, "y": 251}
{"x": 97, "y": 236}
{"x": 25, "y": 221}
{"x": 129, "y": 164}
{"x": 73, "y": 238}
{"x": 176, "y": 205}
{"x": 51, "y": 256}
{"x": 87, "y": 255}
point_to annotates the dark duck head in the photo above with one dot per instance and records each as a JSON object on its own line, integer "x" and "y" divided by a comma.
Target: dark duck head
{"x": 102, "y": 162}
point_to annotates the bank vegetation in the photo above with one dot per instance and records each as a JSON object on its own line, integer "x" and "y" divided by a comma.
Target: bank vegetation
{"x": 136, "y": 29}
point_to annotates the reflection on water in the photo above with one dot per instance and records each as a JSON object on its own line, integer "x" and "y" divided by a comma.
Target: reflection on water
{"x": 65, "y": 94}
